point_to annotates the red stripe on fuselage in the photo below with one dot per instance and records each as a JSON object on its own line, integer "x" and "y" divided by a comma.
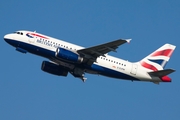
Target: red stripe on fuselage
{"x": 148, "y": 66}
{"x": 167, "y": 52}
{"x": 38, "y": 35}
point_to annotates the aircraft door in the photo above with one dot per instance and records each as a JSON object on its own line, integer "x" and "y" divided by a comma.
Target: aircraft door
{"x": 32, "y": 37}
{"x": 134, "y": 69}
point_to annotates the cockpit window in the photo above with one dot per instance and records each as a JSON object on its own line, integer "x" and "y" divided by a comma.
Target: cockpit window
{"x": 19, "y": 33}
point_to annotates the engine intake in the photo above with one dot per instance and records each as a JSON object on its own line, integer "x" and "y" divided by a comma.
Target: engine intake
{"x": 71, "y": 56}
{"x": 53, "y": 69}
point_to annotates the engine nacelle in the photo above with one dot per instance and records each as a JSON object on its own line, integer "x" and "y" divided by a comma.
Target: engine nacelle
{"x": 53, "y": 69}
{"x": 68, "y": 55}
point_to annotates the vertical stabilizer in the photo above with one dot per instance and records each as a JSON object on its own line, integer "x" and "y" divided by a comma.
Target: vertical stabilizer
{"x": 159, "y": 58}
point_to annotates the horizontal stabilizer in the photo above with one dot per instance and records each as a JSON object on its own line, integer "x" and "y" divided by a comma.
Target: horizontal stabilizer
{"x": 161, "y": 73}
{"x": 156, "y": 83}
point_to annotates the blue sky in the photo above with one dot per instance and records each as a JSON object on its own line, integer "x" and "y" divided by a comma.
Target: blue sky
{"x": 28, "y": 93}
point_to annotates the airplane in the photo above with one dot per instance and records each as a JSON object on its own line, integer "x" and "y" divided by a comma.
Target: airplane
{"x": 70, "y": 58}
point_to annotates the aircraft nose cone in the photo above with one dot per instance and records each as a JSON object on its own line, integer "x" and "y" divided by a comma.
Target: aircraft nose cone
{"x": 6, "y": 37}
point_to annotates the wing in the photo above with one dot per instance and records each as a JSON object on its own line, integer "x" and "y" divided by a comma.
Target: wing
{"x": 90, "y": 54}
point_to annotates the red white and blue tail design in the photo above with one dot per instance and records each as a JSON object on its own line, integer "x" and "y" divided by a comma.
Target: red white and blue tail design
{"x": 157, "y": 61}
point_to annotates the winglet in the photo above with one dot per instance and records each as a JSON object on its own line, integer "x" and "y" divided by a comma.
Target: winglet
{"x": 83, "y": 79}
{"x": 128, "y": 40}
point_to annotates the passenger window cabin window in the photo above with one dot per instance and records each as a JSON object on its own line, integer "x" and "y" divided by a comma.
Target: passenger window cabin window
{"x": 21, "y": 33}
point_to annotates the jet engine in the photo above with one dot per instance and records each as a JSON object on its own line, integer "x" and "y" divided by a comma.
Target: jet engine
{"x": 52, "y": 68}
{"x": 68, "y": 55}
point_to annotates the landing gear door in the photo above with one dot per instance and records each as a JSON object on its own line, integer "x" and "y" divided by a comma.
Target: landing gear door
{"x": 134, "y": 69}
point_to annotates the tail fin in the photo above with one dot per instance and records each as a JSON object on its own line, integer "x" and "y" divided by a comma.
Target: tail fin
{"x": 159, "y": 58}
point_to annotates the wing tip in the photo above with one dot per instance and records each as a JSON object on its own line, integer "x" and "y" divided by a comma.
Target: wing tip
{"x": 128, "y": 40}
{"x": 156, "y": 83}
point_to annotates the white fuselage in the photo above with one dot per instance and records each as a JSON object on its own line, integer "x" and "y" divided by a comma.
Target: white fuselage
{"x": 110, "y": 66}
